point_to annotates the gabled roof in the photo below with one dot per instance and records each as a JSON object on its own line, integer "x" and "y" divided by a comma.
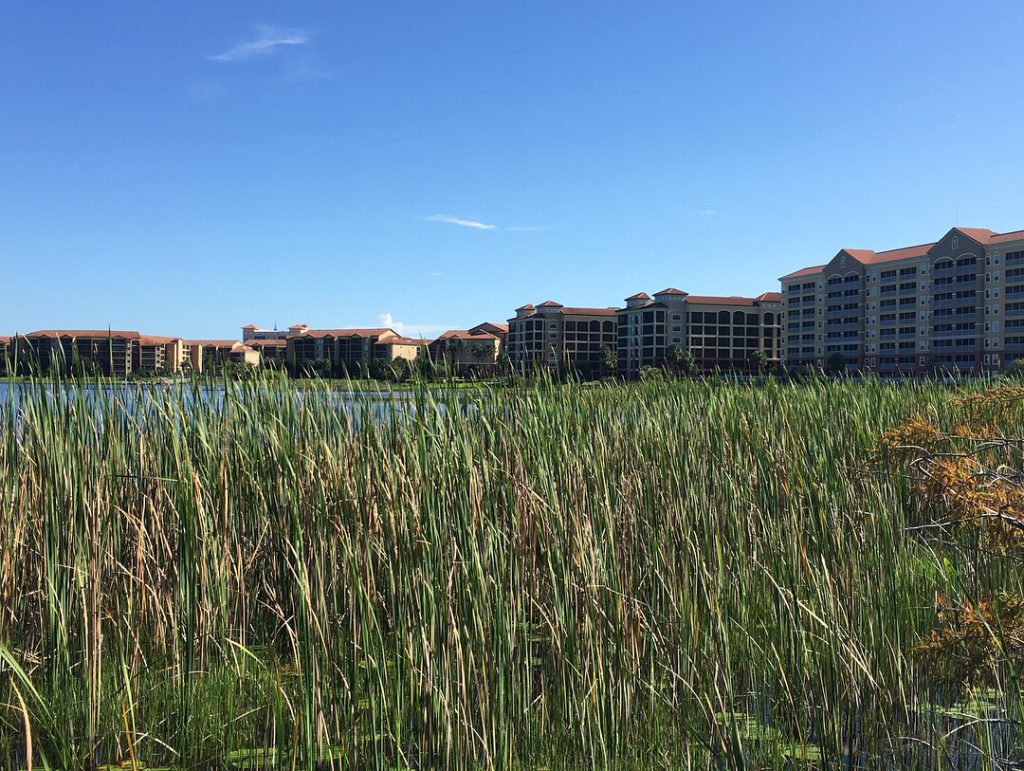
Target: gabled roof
{"x": 671, "y": 291}
{"x": 987, "y": 237}
{"x": 550, "y": 304}
{"x": 466, "y": 334}
{"x": 250, "y": 326}
{"x": 485, "y": 326}
{"x": 639, "y": 296}
{"x": 42, "y": 333}
{"x": 157, "y": 340}
{"x": 769, "y": 297}
{"x": 527, "y": 307}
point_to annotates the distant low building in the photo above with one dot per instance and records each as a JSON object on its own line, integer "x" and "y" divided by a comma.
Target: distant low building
{"x": 112, "y": 353}
{"x": 468, "y": 351}
{"x": 273, "y": 352}
{"x": 211, "y": 355}
{"x": 157, "y": 353}
{"x": 346, "y": 352}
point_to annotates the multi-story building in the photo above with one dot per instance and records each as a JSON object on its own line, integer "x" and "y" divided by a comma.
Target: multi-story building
{"x": 467, "y": 351}
{"x": 341, "y": 352}
{"x": 722, "y": 333}
{"x": 500, "y": 331}
{"x": 80, "y": 351}
{"x": 554, "y": 336}
{"x": 156, "y": 353}
{"x": 211, "y": 355}
{"x": 955, "y": 304}
{"x": 272, "y": 351}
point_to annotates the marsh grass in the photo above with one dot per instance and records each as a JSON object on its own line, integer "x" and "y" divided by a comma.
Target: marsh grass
{"x": 674, "y": 574}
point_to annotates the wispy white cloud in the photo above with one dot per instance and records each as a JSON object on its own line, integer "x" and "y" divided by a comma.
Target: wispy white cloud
{"x": 526, "y": 230}
{"x": 459, "y": 221}
{"x": 267, "y": 41}
{"x": 410, "y": 330}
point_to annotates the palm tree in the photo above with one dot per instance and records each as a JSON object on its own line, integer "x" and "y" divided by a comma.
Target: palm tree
{"x": 680, "y": 360}
{"x": 758, "y": 361}
{"x": 609, "y": 360}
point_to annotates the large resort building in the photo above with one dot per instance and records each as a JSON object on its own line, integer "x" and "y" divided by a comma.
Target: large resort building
{"x": 351, "y": 352}
{"x": 553, "y": 336}
{"x": 722, "y": 333}
{"x": 955, "y": 304}
{"x": 468, "y": 352}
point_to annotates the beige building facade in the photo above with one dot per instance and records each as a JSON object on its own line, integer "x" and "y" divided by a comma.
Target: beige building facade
{"x": 722, "y": 333}
{"x": 956, "y": 304}
{"x": 554, "y": 336}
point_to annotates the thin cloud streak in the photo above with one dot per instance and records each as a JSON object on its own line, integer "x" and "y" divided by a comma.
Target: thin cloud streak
{"x": 525, "y": 230}
{"x": 459, "y": 221}
{"x": 267, "y": 42}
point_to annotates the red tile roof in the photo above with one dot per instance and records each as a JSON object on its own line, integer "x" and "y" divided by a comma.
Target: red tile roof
{"x": 250, "y": 326}
{"x": 1002, "y": 238}
{"x": 550, "y": 304}
{"x": 769, "y": 297}
{"x": 402, "y": 341}
{"x": 499, "y": 326}
{"x": 268, "y": 343}
{"x": 804, "y": 272}
{"x": 874, "y": 258}
{"x": 214, "y": 343}
{"x": 526, "y": 307}
{"x": 588, "y": 311}
{"x": 84, "y": 333}
{"x": 712, "y": 300}
{"x": 639, "y": 296}
{"x": 465, "y": 334}
{"x": 671, "y": 291}
{"x": 987, "y": 237}
{"x": 157, "y": 339}
{"x": 361, "y": 332}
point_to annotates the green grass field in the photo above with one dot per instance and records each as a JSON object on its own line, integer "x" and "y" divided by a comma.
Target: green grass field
{"x": 676, "y": 574}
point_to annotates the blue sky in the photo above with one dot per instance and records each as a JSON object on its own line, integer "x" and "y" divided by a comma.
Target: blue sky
{"x": 187, "y": 167}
